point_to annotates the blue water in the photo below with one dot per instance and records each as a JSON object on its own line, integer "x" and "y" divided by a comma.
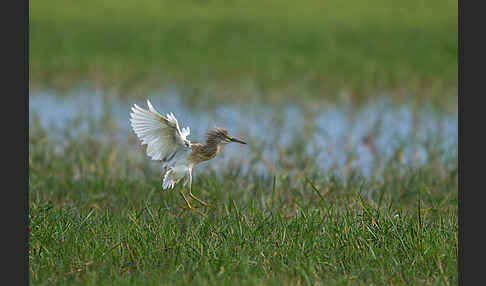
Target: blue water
{"x": 332, "y": 132}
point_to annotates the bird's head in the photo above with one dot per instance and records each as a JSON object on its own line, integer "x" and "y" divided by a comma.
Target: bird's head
{"x": 221, "y": 136}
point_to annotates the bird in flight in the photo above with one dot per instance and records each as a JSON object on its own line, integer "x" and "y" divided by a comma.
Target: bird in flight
{"x": 167, "y": 143}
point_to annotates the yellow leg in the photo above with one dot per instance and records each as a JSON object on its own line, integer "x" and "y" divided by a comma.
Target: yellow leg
{"x": 184, "y": 197}
{"x": 188, "y": 204}
{"x": 193, "y": 196}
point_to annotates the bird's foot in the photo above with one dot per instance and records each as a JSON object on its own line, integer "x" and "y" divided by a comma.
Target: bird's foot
{"x": 201, "y": 201}
{"x": 195, "y": 210}
{"x": 189, "y": 207}
{"x": 208, "y": 205}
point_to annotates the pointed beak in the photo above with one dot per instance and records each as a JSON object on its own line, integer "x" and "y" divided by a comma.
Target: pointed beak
{"x": 237, "y": 141}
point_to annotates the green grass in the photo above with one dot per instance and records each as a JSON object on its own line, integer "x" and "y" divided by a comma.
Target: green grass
{"x": 315, "y": 46}
{"x": 98, "y": 216}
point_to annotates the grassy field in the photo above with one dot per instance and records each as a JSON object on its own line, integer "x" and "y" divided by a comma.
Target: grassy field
{"x": 97, "y": 212}
{"x": 98, "y": 216}
{"x": 316, "y": 47}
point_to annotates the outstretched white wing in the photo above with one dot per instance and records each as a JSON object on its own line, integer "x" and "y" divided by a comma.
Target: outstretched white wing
{"x": 162, "y": 135}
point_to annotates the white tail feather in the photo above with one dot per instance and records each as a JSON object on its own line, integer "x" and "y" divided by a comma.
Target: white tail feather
{"x": 173, "y": 176}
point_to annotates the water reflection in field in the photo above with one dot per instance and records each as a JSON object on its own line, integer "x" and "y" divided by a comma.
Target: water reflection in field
{"x": 339, "y": 136}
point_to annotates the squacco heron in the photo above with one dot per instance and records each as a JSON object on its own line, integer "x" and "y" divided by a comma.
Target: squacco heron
{"x": 169, "y": 144}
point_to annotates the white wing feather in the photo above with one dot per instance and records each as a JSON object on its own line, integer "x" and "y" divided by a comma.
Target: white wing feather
{"x": 185, "y": 132}
{"x": 162, "y": 135}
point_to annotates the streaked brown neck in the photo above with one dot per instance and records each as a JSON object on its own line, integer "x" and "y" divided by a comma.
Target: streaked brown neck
{"x": 212, "y": 147}
{"x": 204, "y": 152}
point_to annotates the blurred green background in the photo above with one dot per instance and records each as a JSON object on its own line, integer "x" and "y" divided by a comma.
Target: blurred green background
{"x": 321, "y": 47}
